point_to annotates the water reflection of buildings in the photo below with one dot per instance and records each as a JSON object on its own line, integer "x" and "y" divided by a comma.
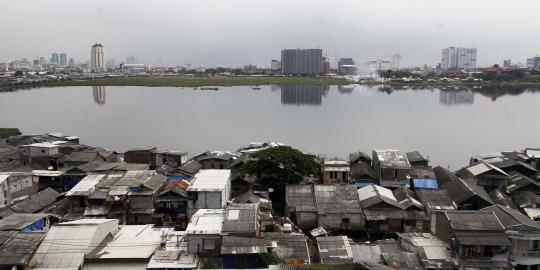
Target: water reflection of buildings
{"x": 302, "y": 94}
{"x": 99, "y": 94}
{"x": 345, "y": 89}
{"x": 456, "y": 97}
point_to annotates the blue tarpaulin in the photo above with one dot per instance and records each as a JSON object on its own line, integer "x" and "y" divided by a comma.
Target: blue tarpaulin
{"x": 363, "y": 184}
{"x": 425, "y": 183}
{"x": 36, "y": 226}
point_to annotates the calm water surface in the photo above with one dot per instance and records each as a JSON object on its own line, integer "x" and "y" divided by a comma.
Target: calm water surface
{"x": 448, "y": 126}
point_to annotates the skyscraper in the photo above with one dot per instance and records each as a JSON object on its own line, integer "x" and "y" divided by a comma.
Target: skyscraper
{"x": 301, "y": 61}
{"x": 346, "y": 66}
{"x": 71, "y": 62}
{"x": 63, "y": 59}
{"x": 54, "y": 59}
{"x": 42, "y": 61}
{"x": 97, "y": 57}
{"x": 396, "y": 60}
{"x": 458, "y": 58}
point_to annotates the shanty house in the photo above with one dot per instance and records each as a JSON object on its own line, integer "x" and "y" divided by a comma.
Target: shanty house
{"x": 203, "y": 232}
{"x": 66, "y": 244}
{"x": 243, "y": 252}
{"x": 170, "y": 203}
{"x": 435, "y": 200}
{"x": 335, "y": 171}
{"x": 338, "y": 208}
{"x": 17, "y": 248}
{"x": 415, "y": 218}
{"x": 524, "y": 234}
{"x": 477, "y": 238}
{"x": 209, "y": 189}
{"x": 468, "y": 196}
{"x": 334, "y": 250}
{"x": 382, "y": 210}
{"x": 432, "y": 251}
{"x": 392, "y": 168}
{"x": 291, "y": 248}
{"x": 167, "y": 157}
{"x": 300, "y": 205}
{"x": 485, "y": 175}
{"x": 241, "y": 220}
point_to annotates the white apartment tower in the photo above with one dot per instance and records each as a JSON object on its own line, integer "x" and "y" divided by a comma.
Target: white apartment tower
{"x": 97, "y": 57}
{"x": 458, "y": 58}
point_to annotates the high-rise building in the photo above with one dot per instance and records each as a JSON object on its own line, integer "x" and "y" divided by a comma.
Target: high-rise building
{"x": 533, "y": 63}
{"x": 99, "y": 94}
{"x": 71, "y": 62}
{"x": 301, "y": 61}
{"x": 97, "y": 57}
{"x": 396, "y": 61}
{"x": 326, "y": 65}
{"x": 507, "y": 63}
{"x": 458, "y": 58}
{"x": 55, "y": 59}
{"x": 346, "y": 66}
{"x": 63, "y": 59}
{"x": 42, "y": 61}
{"x": 275, "y": 65}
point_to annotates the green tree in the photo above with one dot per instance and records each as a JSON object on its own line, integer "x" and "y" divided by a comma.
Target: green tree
{"x": 279, "y": 166}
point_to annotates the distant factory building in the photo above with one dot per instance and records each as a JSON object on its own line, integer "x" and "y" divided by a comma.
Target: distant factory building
{"x": 458, "y": 58}
{"x": 97, "y": 57}
{"x": 346, "y": 66}
{"x": 302, "y": 61}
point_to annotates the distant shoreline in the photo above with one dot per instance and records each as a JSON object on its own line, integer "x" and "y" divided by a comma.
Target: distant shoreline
{"x": 217, "y": 81}
{"x": 182, "y": 81}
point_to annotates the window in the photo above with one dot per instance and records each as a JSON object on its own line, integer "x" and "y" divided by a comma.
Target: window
{"x": 209, "y": 244}
{"x": 535, "y": 244}
{"x": 43, "y": 151}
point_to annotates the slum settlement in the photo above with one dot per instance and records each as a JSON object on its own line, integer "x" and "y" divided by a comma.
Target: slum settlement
{"x": 67, "y": 205}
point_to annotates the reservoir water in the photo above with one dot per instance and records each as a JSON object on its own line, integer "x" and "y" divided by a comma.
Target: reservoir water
{"x": 447, "y": 125}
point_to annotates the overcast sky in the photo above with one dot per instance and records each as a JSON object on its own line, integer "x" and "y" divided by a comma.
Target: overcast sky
{"x": 233, "y": 33}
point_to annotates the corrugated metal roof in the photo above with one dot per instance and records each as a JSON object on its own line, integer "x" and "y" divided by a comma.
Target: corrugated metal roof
{"x": 16, "y": 248}
{"x": 243, "y": 245}
{"x": 372, "y": 195}
{"x": 481, "y": 238}
{"x": 240, "y": 218}
{"x": 131, "y": 242}
{"x": 334, "y": 249}
{"x": 436, "y": 199}
{"x": 19, "y": 221}
{"x": 210, "y": 180}
{"x": 392, "y": 158}
{"x": 86, "y": 186}
{"x": 300, "y": 198}
{"x": 66, "y": 244}
{"x": 206, "y": 221}
{"x": 338, "y": 199}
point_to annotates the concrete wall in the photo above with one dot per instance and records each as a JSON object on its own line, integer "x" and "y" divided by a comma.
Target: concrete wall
{"x": 335, "y": 222}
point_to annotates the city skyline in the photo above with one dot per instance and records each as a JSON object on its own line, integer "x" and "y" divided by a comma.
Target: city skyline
{"x": 418, "y": 30}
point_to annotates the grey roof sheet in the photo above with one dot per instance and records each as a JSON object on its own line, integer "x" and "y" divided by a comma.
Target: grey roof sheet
{"x": 407, "y": 199}
{"x": 474, "y": 221}
{"x": 525, "y": 198}
{"x": 362, "y": 170}
{"x": 444, "y": 176}
{"x": 240, "y": 218}
{"x": 500, "y": 198}
{"x": 37, "y": 201}
{"x": 483, "y": 238}
{"x": 300, "y": 198}
{"x": 462, "y": 190}
{"x": 518, "y": 180}
{"x": 435, "y": 199}
{"x": 337, "y": 199}
{"x": 81, "y": 157}
{"x": 415, "y": 156}
{"x": 19, "y": 221}
{"x": 190, "y": 167}
{"x": 334, "y": 249}
{"x": 512, "y": 219}
{"x": 16, "y": 248}
{"x": 290, "y": 246}
{"x": 392, "y": 158}
{"x": 243, "y": 245}
{"x": 393, "y": 254}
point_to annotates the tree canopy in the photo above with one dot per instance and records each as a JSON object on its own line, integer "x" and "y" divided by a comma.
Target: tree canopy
{"x": 279, "y": 166}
